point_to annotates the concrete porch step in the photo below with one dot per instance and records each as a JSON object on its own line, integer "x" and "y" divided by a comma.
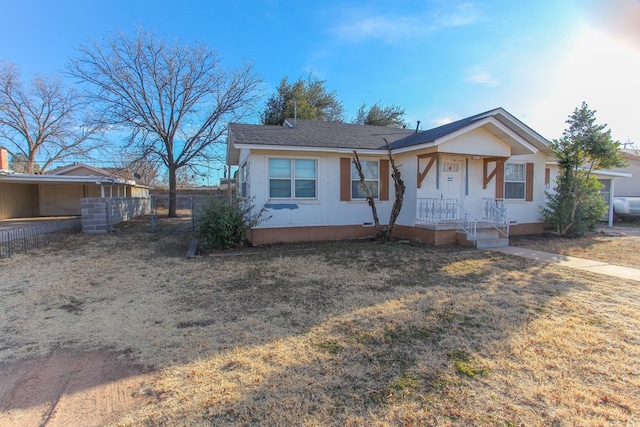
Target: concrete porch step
{"x": 486, "y": 238}
{"x": 492, "y": 243}
{"x": 487, "y": 233}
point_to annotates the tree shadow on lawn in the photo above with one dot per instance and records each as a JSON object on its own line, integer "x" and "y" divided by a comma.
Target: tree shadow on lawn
{"x": 332, "y": 333}
{"x": 351, "y": 333}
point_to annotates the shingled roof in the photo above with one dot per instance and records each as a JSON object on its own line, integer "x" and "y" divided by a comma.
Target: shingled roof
{"x": 333, "y": 135}
{"x": 430, "y": 135}
{"x": 310, "y": 133}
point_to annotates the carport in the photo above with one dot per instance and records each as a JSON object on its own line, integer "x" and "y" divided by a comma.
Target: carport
{"x": 33, "y": 195}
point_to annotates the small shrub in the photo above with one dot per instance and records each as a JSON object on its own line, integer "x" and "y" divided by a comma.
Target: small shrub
{"x": 223, "y": 224}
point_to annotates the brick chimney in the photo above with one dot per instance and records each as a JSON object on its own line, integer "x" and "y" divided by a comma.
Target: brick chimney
{"x": 4, "y": 159}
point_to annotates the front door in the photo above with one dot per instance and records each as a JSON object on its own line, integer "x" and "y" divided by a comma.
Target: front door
{"x": 451, "y": 178}
{"x": 451, "y": 186}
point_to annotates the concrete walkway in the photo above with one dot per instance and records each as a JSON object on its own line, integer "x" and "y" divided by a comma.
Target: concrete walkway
{"x": 573, "y": 262}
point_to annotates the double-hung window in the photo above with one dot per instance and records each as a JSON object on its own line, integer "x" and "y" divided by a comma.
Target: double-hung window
{"x": 292, "y": 178}
{"x": 515, "y": 179}
{"x": 371, "y": 171}
{"x": 243, "y": 180}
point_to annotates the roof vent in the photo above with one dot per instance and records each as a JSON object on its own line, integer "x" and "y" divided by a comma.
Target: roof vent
{"x": 418, "y": 126}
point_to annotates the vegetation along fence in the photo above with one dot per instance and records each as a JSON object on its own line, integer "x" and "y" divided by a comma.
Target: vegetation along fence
{"x": 21, "y": 238}
{"x": 186, "y": 211}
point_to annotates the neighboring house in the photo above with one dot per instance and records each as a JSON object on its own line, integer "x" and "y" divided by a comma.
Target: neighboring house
{"x": 59, "y": 192}
{"x": 630, "y": 186}
{"x": 489, "y": 171}
{"x": 615, "y": 183}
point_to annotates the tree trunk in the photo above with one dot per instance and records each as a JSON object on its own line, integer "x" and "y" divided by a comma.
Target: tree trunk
{"x": 173, "y": 211}
{"x": 384, "y": 234}
{"x": 370, "y": 199}
{"x": 32, "y": 161}
{"x": 400, "y": 188}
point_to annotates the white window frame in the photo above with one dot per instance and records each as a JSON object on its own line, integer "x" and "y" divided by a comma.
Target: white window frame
{"x": 355, "y": 177}
{"x": 292, "y": 178}
{"x": 243, "y": 178}
{"x": 523, "y": 181}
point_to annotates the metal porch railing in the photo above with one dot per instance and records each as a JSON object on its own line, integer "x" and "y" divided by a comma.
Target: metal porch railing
{"x": 438, "y": 211}
{"x": 495, "y": 214}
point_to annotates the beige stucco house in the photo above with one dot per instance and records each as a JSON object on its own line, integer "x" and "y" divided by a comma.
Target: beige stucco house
{"x": 59, "y": 192}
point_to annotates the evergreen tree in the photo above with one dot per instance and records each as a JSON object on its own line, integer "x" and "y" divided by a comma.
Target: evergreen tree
{"x": 20, "y": 163}
{"x": 304, "y": 99}
{"x": 380, "y": 115}
{"x": 576, "y": 205}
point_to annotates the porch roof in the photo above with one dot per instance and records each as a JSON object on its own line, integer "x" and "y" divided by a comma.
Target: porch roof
{"x": 521, "y": 138}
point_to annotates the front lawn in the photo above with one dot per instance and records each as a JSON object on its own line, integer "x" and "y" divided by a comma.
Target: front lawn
{"x": 619, "y": 247}
{"x": 349, "y": 333}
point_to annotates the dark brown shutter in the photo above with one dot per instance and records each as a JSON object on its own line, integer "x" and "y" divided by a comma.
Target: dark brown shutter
{"x": 500, "y": 180}
{"x": 529, "y": 183}
{"x": 384, "y": 179}
{"x": 345, "y": 179}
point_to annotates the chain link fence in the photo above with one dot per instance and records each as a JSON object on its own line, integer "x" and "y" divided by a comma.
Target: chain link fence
{"x": 20, "y": 238}
{"x": 185, "y": 219}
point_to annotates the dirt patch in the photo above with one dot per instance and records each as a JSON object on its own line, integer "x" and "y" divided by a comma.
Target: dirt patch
{"x": 69, "y": 389}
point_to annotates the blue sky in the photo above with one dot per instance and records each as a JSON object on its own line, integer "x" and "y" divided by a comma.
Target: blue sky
{"x": 440, "y": 60}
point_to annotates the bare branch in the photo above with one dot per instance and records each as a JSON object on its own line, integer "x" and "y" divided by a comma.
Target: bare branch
{"x": 174, "y": 99}
{"x": 45, "y": 121}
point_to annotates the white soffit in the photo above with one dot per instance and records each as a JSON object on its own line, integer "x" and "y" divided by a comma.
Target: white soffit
{"x": 518, "y": 144}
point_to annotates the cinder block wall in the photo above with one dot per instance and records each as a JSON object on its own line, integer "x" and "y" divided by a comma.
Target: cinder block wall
{"x": 94, "y": 215}
{"x": 100, "y": 214}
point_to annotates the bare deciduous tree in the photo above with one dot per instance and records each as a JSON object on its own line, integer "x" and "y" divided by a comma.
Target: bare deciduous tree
{"x": 383, "y": 234}
{"x": 45, "y": 121}
{"x": 175, "y": 100}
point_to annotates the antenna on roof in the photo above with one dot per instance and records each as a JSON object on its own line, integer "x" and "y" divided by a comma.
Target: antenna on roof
{"x": 418, "y": 126}
{"x": 295, "y": 113}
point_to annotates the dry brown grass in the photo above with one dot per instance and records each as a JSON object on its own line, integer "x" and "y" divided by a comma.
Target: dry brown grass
{"x": 335, "y": 334}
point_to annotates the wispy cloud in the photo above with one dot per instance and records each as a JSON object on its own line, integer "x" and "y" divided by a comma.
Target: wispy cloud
{"x": 462, "y": 14}
{"x": 481, "y": 77}
{"x": 443, "y": 120}
{"x": 362, "y": 24}
{"x": 376, "y": 27}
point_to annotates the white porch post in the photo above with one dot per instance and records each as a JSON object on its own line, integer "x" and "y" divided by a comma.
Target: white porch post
{"x": 611, "y": 202}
